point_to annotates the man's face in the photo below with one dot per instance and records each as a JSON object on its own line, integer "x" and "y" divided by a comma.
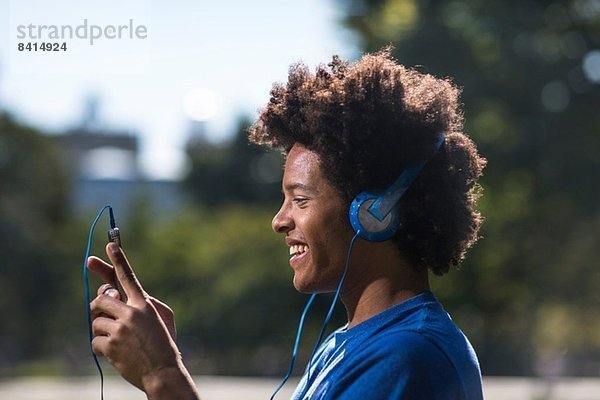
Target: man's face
{"x": 313, "y": 217}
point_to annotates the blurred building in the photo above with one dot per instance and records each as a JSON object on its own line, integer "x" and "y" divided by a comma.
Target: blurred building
{"x": 104, "y": 169}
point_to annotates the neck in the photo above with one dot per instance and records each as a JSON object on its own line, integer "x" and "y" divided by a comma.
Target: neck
{"x": 384, "y": 281}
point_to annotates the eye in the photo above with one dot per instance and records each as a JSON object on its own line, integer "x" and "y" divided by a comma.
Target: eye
{"x": 300, "y": 201}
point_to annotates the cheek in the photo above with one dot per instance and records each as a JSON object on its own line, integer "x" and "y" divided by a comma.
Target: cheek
{"x": 333, "y": 234}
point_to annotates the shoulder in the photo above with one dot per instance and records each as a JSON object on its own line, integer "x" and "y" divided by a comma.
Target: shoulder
{"x": 398, "y": 365}
{"x": 403, "y": 351}
{"x": 411, "y": 351}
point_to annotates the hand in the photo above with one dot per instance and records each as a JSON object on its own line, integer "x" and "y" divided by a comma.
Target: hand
{"x": 137, "y": 337}
{"x": 107, "y": 273}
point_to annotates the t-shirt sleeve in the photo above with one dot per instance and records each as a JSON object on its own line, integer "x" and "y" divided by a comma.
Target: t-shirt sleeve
{"x": 402, "y": 366}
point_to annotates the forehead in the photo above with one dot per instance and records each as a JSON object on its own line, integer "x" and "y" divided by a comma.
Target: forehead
{"x": 303, "y": 166}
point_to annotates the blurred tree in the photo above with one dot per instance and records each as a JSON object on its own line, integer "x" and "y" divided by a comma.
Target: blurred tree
{"x": 530, "y": 73}
{"x": 33, "y": 207}
{"x": 233, "y": 172}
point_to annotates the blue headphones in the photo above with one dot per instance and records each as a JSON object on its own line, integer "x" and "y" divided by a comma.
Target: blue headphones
{"x": 374, "y": 215}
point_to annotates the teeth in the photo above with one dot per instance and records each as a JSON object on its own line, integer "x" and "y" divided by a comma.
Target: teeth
{"x": 297, "y": 249}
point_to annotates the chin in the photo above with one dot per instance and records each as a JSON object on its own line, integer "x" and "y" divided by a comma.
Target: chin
{"x": 310, "y": 287}
{"x": 302, "y": 286}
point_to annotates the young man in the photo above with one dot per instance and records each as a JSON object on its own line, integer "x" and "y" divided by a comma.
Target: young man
{"x": 344, "y": 130}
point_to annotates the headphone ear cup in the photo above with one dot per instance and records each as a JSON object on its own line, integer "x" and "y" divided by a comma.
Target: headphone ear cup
{"x": 366, "y": 225}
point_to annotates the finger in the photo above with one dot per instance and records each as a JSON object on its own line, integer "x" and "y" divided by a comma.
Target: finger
{"x": 109, "y": 290}
{"x": 108, "y": 306}
{"x": 103, "y": 326}
{"x": 103, "y": 288}
{"x": 104, "y": 270}
{"x": 100, "y": 345}
{"x": 132, "y": 287}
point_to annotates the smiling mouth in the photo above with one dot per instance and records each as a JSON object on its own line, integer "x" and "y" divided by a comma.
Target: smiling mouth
{"x": 298, "y": 249}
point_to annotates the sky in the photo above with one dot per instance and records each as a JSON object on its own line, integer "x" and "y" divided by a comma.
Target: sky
{"x": 155, "y": 65}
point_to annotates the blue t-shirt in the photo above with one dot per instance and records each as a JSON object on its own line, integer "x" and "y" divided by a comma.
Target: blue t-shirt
{"x": 410, "y": 351}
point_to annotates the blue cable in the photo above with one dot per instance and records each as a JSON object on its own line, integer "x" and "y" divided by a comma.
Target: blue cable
{"x": 296, "y": 343}
{"x": 87, "y": 293}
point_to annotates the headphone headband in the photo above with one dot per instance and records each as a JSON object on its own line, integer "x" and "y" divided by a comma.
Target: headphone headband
{"x": 388, "y": 199}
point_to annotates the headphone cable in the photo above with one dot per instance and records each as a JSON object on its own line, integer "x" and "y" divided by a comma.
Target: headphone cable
{"x": 86, "y": 284}
{"x": 296, "y": 343}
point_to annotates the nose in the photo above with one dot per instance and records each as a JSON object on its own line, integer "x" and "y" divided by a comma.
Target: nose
{"x": 282, "y": 221}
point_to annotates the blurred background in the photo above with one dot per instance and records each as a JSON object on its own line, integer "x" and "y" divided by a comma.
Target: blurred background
{"x": 156, "y": 127}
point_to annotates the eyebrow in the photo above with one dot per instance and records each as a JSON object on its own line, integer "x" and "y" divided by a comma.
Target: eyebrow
{"x": 293, "y": 186}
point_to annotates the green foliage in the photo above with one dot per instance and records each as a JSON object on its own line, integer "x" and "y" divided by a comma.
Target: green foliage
{"x": 33, "y": 201}
{"x": 234, "y": 172}
{"x": 534, "y": 113}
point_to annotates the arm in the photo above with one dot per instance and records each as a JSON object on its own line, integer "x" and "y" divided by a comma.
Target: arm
{"x": 137, "y": 337}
